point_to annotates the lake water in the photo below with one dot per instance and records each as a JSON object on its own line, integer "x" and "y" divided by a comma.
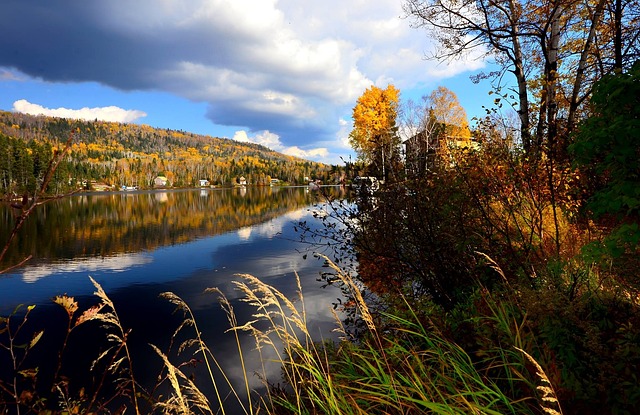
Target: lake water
{"x": 140, "y": 244}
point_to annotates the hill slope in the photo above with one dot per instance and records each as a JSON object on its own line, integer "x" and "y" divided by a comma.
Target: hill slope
{"x": 130, "y": 154}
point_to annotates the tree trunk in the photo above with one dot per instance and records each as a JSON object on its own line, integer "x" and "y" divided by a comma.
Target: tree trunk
{"x": 617, "y": 42}
{"x": 518, "y": 71}
{"x": 577, "y": 83}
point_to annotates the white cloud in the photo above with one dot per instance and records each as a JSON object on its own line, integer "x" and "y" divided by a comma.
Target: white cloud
{"x": 111, "y": 113}
{"x": 312, "y": 154}
{"x": 299, "y": 63}
{"x": 117, "y": 263}
{"x": 272, "y": 141}
{"x": 264, "y": 138}
{"x": 342, "y": 136}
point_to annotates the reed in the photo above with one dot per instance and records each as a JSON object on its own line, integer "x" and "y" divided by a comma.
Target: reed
{"x": 410, "y": 367}
{"x": 18, "y": 353}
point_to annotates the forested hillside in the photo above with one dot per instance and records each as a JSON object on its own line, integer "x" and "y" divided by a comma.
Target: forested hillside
{"x": 118, "y": 154}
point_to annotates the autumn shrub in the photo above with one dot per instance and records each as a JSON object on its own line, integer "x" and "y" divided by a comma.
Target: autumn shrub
{"x": 415, "y": 240}
{"x": 428, "y": 239}
{"x": 579, "y": 325}
{"x": 421, "y": 236}
{"x": 586, "y": 326}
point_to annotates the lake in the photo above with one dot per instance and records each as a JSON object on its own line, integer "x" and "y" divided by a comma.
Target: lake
{"x": 137, "y": 245}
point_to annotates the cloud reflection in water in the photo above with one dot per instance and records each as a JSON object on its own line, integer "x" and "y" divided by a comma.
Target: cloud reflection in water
{"x": 117, "y": 263}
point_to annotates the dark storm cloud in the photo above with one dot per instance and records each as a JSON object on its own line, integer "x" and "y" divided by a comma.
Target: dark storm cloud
{"x": 207, "y": 58}
{"x": 60, "y": 41}
{"x": 68, "y": 40}
{"x": 292, "y": 67}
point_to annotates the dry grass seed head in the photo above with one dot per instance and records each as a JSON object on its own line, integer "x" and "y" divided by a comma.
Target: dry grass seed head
{"x": 192, "y": 396}
{"x": 68, "y": 303}
{"x": 549, "y": 395}
{"x": 113, "y": 368}
{"x": 355, "y": 290}
{"x": 175, "y": 300}
{"x": 263, "y": 297}
{"x": 270, "y": 295}
{"x": 101, "y": 294}
{"x": 89, "y": 314}
{"x": 101, "y": 356}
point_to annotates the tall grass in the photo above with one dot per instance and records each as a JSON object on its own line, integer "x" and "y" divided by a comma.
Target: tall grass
{"x": 401, "y": 364}
{"x": 407, "y": 367}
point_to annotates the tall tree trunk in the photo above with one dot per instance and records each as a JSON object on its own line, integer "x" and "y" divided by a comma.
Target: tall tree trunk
{"x": 555, "y": 153}
{"x": 551, "y": 76}
{"x": 518, "y": 71}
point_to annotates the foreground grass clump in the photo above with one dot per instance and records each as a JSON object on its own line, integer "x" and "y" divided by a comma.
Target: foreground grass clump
{"x": 410, "y": 368}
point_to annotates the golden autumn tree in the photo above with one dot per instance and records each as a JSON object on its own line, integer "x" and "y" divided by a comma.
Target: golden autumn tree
{"x": 374, "y": 136}
{"x": 447, "y": 110}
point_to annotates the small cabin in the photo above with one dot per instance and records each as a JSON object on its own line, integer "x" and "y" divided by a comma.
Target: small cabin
{"x": 204, "y": 182}
{"x": 160, "y": 181}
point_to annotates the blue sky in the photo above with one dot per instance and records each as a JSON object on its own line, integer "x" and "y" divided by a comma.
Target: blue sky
{"x": 283, "y": 73}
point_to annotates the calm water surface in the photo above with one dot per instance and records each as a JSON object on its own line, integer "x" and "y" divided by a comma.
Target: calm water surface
{"x": 140, "y": 244}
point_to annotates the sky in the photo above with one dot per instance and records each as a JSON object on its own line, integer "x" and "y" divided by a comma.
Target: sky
{"x": 282, "y": 73}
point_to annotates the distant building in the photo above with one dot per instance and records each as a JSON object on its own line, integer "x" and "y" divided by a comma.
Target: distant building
{"x": 275, "y": 181}
{"x": 242, "y": 181}
{"x": 204, "y": 182}
{"x": 160, "y": 181}
{"x": 421, "y": 151}
{"x": 424, "y": 150}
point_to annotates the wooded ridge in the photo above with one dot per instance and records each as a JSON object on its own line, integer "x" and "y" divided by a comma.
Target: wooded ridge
{"x": 116, "y": 154}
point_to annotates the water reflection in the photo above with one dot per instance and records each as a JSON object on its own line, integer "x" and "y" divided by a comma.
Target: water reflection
{"x": 116, "y": 263}
{"x": 95, "y": 225}
{"x": 138, "y": 245}
{"x": 140, "y": 238}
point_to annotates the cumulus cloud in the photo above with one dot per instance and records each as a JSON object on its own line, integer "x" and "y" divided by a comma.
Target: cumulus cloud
{"x": 272, "y": 141}
{"x": 111, "y": 113}
{"x": 292, "y": 68}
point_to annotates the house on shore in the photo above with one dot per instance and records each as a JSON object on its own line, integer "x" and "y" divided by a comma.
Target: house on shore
{"x": 160, "y": 181}
{"x": 424, "y": 150}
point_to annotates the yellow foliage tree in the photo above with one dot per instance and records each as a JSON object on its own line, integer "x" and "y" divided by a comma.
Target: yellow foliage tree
{"x": 374, "y": 136}
{"x": 448, "y": 111}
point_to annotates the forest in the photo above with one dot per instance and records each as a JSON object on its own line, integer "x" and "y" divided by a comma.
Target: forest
{"x": 113, "y": 155}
